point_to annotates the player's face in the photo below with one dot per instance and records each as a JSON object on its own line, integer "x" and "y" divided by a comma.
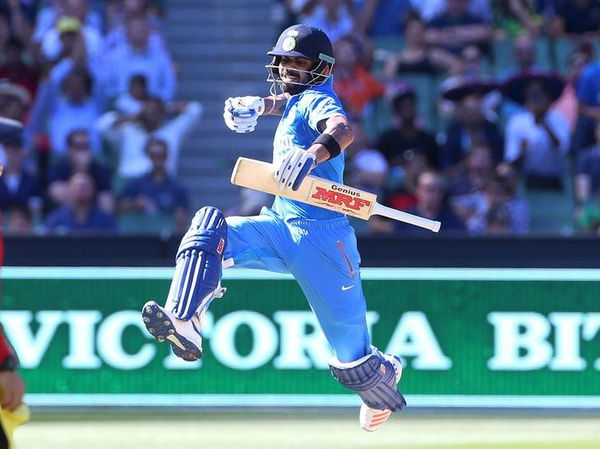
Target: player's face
{"x": 294, "y": 71}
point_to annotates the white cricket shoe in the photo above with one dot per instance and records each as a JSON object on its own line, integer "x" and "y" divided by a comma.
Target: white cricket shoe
{"x": 372, "y": 419}
{"x": 183, "y": 335}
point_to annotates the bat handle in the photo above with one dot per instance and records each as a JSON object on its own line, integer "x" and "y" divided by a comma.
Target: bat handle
{"x": 405, "y": 217}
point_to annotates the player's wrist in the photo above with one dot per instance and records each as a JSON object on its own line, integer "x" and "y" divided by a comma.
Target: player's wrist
{"x": 330, "y": 144}
{"x": 320, "y": 152}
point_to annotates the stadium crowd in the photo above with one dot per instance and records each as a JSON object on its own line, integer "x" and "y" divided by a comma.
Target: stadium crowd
{"x": 94, "y": 83}
{"x": 483, "y": 114}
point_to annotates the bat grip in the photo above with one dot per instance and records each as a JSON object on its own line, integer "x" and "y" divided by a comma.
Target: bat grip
{"x": 405, "y": 217}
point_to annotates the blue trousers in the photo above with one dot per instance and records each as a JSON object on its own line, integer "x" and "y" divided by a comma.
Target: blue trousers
{"x": 323, "y": 257}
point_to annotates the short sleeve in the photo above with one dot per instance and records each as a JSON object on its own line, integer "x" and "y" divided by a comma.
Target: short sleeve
{"x": 321, "y": 107}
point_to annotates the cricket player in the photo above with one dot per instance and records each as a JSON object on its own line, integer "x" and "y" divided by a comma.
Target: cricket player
{"x": 317, "y": 246}
{"x": 13, "y": 412}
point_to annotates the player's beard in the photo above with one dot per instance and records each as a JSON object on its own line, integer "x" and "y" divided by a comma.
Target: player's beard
{"x": 297, "y": 83}
{"x": 293, "y": 89}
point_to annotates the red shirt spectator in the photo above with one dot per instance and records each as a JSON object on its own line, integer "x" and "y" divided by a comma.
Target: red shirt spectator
{"x": 16, "y": 70}
{"x": 355, "y": 86}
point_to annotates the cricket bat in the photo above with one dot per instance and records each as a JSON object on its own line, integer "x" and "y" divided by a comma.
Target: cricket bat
{"x": 258, "y": 175}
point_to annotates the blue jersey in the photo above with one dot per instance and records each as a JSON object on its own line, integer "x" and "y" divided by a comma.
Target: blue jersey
{"x": 298, "y": 128}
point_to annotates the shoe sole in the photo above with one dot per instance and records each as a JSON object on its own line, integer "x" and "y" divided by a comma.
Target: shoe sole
{"x": 378, "y": 419}
{"x": 162, "y": 328}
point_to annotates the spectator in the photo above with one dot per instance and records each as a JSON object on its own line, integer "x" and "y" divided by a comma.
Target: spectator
{"x": 69, "y": 99}
{"x": 524, "y": 55}
{"x": 333, "y": 17}
{"x": 157, "y": 193}
{"x": 430, "y": 9}
{"x": 514, "y": 17}
{"x": 79, "y": 159}
{"x": 402, "y": 181}
{"x": 14, "y": 101}
{"x": 361, "y": 138}
{"x": 456, "y": 28}
{"x": 406, "y": 133}
{"x": 368, "y": 171}
{"x": 471, "y": 72}
{"x": 382, "y": 18}
{"x": 478, "y": 170}
{"x": 587, "y": 173}
{"x": 19, "y": 220}
{"x": 355, "y": 86}
{"x": 479, "y": 210}
{"x": 16, "y": 19}
{"x": 48, "y": 16}
{"x": 15, "y": 69}
{"x": 132, "y": 101}
{"x": 417, "y": 56}
{"x": 568, "y": 104}
{"x": 137, "y": 57}
{"x": 14, "y": 104}
{"x": 469, "y": 127}
{"x": 120, "y": 11}
{"x": 82, "y": 214}
{"x": 69, "y": 31}
{"x": 588, "y": 93}
{"x": 128, "y": 134}
{"x": 431, "y": 203}
{"x": 17, "y": 185}
{"x": 537, "y": 140}
{"x": 497, "y": 221}
{"x": 577, "y": 18}
{"x": 117, "y": 36}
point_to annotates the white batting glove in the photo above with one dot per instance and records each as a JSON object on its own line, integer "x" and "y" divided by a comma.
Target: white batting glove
{"x": 241, "y": 113}
{"x": 294, "y": 167}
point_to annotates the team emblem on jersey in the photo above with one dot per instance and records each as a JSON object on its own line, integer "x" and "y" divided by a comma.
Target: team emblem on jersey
{"x": 289, "y": 43}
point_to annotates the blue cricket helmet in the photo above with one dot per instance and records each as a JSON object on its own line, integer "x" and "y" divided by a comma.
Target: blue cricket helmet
{"x": 303, "y": 41}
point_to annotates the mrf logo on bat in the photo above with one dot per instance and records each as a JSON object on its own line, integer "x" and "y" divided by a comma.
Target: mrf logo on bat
{"x": 349, "y": 199}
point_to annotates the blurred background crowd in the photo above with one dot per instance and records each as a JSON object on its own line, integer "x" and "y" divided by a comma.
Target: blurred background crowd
{"x": 95, "y": 84}
{"x": 483, "y": 114}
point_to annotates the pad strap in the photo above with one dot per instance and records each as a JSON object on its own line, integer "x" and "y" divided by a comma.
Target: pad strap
{"x": 374, "y": 379}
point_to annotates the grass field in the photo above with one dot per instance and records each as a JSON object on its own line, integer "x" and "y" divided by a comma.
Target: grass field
{"x": 322, "y": 430}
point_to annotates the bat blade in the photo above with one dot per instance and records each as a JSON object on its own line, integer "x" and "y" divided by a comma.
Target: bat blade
{"x": 320, "y": 192}
{"x": 258, "y": 175}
